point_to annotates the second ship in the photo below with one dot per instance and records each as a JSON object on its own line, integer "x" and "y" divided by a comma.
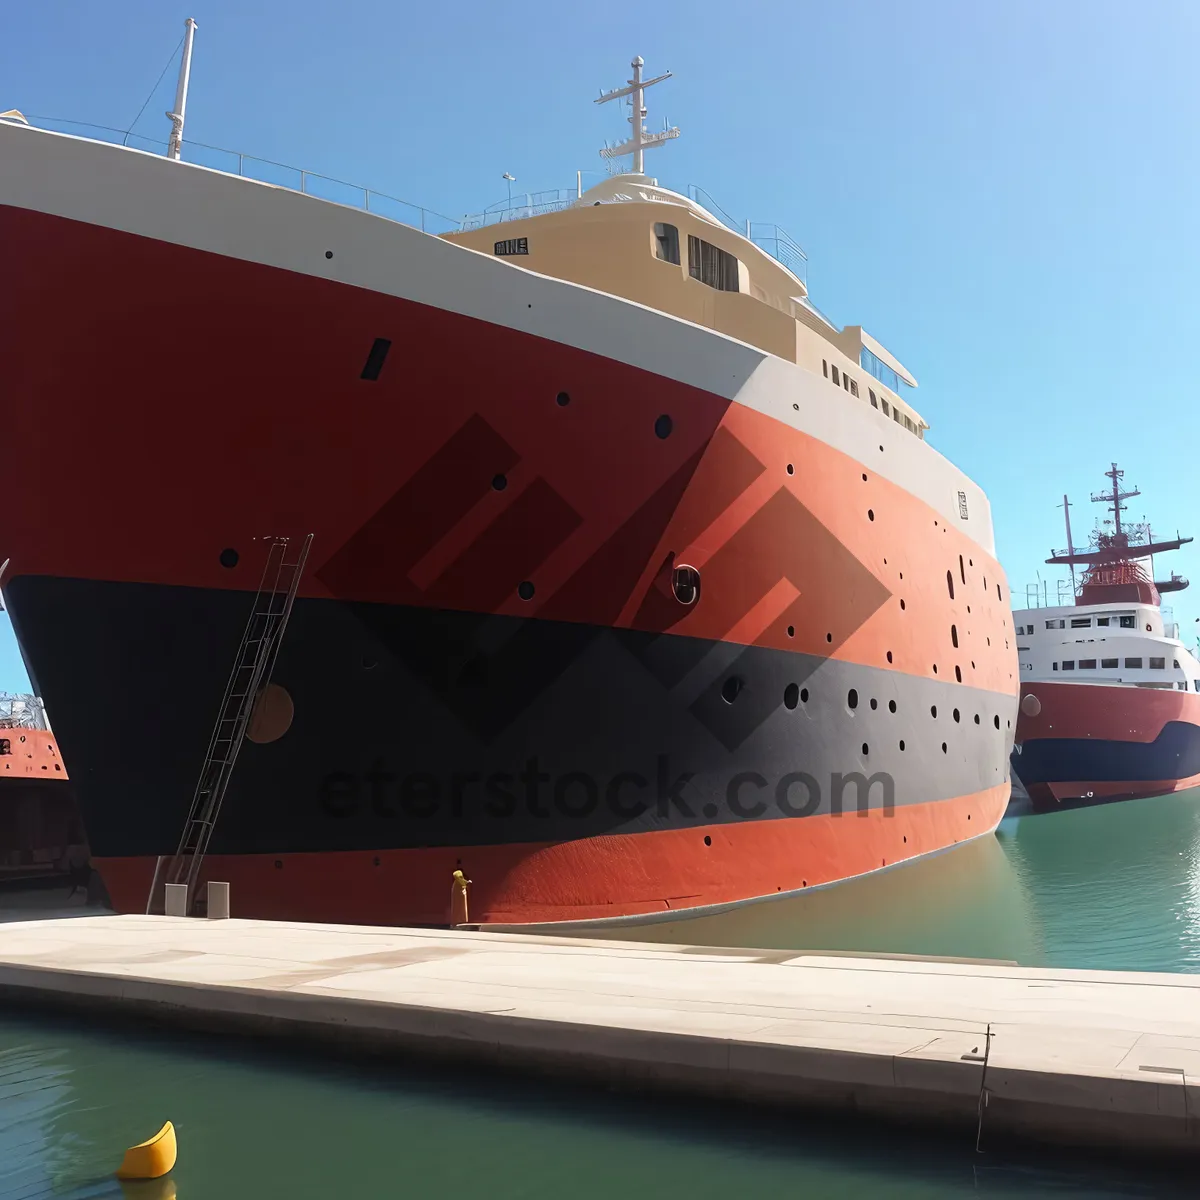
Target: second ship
{"x": 634, "y": 589}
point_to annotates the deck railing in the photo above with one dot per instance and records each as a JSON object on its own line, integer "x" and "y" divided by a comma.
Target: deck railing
{"x": 265, "y": 170}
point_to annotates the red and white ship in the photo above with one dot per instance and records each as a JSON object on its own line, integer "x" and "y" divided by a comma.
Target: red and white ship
{"x": 1110, "y": 695}
{"x": 630, "y": 573}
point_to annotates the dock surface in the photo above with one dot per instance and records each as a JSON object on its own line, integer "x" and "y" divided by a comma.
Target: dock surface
{"x": 1074, "y": 1057}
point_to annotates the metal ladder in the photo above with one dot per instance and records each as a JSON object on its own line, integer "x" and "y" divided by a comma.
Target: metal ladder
{"x": 251, "y": 673}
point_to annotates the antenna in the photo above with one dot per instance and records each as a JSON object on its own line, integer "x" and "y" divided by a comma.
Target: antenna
{"x": 1115, "y": 497}
{"x": 1066, "y": 507}
{"x": 181, "y": 89}
{"x": 641, "y": 140}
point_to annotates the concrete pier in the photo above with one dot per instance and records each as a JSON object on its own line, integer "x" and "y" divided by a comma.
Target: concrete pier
{"x": 1075, "y": 1057}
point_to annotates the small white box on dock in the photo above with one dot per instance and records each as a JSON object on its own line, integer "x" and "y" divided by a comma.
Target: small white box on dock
{"x": 218, "y": 901}
{"x": 175, "y": 904}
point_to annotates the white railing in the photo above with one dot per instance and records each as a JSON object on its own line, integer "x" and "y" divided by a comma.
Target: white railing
{"x": 265, "y": 170}
{"x": 21, "y": 711}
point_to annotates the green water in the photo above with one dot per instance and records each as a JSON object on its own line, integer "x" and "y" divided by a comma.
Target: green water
{"x": 1108, "y": 887}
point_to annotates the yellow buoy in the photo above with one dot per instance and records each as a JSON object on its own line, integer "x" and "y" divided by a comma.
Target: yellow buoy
{"x": 150, "y": 1159}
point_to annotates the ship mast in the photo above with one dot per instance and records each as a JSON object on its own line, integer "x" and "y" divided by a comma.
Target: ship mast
{"x": 1066, "y": 507}
{"x": 640, "y": 140}
{"x": 181, "y": 90}
{"x": 1115, "y": 497}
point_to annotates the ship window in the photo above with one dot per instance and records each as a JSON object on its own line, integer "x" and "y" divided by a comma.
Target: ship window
{"x": 1081, "y": 622}
{"x": 1103, "y": 620}
{"x": 896, "y": 415}
{"x": 874, "y": 402}
{"x": 1158, "y": 664}
{"x": 854, "y": 387}
{"x": 837, "y": 379}
{"x": 1056, "y": 624}
{"x": 1068, "y": 664}
{"x": 880, "y": 370}
{"x": 1196, "y": 684}
{"x": 667, "y": 239}
{"x": 845, "y": 381}
{"x": 1110, "y": 664}
{"x": 1183, "y": 686}
{"x": 1128, "y": 623}
{"x": 1087, "y": 664}
{"x": 1175, "y": 663}
{"x": 825, "y": 367}
{"x": 1133, "y": 663}
{"x": 1056, "y": 666}
{"x": 711, "y": 265}
{"x": 887, "y": 411}
{"x": 5, "y": 746}
{"x": 908, "y": 424}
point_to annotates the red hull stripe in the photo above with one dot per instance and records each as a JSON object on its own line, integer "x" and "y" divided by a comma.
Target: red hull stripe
{"x": 1104, "y": 714}
{"x": 587, "y": 880}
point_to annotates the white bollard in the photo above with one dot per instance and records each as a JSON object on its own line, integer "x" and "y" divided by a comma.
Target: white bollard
{"x": 218, "y": 901}
{"x": 176, "y": 902}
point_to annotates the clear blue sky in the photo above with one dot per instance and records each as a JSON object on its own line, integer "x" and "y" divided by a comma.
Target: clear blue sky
{"x": 1005, "y": 194}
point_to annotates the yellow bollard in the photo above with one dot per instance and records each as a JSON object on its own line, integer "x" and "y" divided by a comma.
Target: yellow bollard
{"x": 458, "y": 899}
{"x": 150, "y": 1159}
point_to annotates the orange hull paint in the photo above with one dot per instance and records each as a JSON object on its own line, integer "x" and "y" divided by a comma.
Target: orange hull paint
{"x": 656, "y": 872}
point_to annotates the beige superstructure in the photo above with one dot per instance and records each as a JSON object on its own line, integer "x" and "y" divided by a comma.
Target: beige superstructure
{"x": 631, "y": 238}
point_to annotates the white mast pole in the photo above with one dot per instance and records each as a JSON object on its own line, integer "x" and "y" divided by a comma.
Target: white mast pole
{"x": 185, "y": 70}
{"x": 639, "y": 114}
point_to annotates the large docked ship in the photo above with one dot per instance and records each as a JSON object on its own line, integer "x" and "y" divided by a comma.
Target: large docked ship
{"x": 634, "y": 586}
{"x": 1110, "y": 695}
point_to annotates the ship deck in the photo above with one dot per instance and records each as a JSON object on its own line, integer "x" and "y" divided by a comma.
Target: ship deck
{"x": 1074, "y": 1057}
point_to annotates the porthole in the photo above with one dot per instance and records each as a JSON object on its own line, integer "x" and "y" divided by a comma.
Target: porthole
{"x": 954, "y": 636}
{"x": 804, "y": 695}
{"x": 874, "y": 704}
{"x": 957, "y": 673}
{"x": 901, "y": 605}
{"x": 950, "y": 584}
{"x": 499, "y": 482}
{"x": 829, "y": 637}
{"x": 901, "y": 743}
{"x": 707, "y": 840}
{"x": 957, "y": 715}
{"x": 852, "y": 699}
{"x": 870, "y": 514}
{"x": 996, "y": 720}
{"x": 791, "y": 469}
{"x": 229, "y": 558}
{"x": 685, "y": 583}
{"x": 933, "y": 711}
{"x": 943, "y": 747}
{"x": 935, "y": 668}
{"x": 889, "y": 656}
{"x": 791, "y": 695}
{"x": 731, "y": 689}
{"x": 663, "y": 426}
{"x": 865, "y": 750}
{"x": 976, "y": 718}
{"x": 891, "y": 706}
{"x": 791, "y": 631}
{"x": 864, "y": 479}
{"x": 562, "y": 399}
{"x": 525, "y": 591}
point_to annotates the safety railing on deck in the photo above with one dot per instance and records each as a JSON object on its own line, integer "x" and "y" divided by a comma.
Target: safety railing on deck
{"x": 775, "y": 240}
{"x": 265, "y": 170}
{"x": 518, "y": 208}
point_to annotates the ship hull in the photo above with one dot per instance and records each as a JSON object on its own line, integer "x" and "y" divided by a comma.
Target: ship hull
{"x": 488, "y": 667}
{"x": 1091, "y": 744}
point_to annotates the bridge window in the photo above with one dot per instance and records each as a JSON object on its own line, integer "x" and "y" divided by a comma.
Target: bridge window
{"x": 880, "y": 370}
{"x": 1133, "y": 664}
{"x": 666, "y": 238}
{"x": 715, "y": 267}
{"x": 1110, "y": 664}
{"x": 854, "y": 387}
{"x": 887, "y": 408}
{"x": 1056, "y": 624}
{"x": 1081, "y": 622}
{"x": 825, "y": 367}
{"x": 1087, "y": 664}
{"x": 1102, "y": 620}
{"x": 1068, "y": 664}
{"x": 1158, "y": 664}
{"x": 1128, "y": 623}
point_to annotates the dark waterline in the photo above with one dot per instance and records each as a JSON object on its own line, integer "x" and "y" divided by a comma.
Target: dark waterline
{"x": 1115, "y": 887}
